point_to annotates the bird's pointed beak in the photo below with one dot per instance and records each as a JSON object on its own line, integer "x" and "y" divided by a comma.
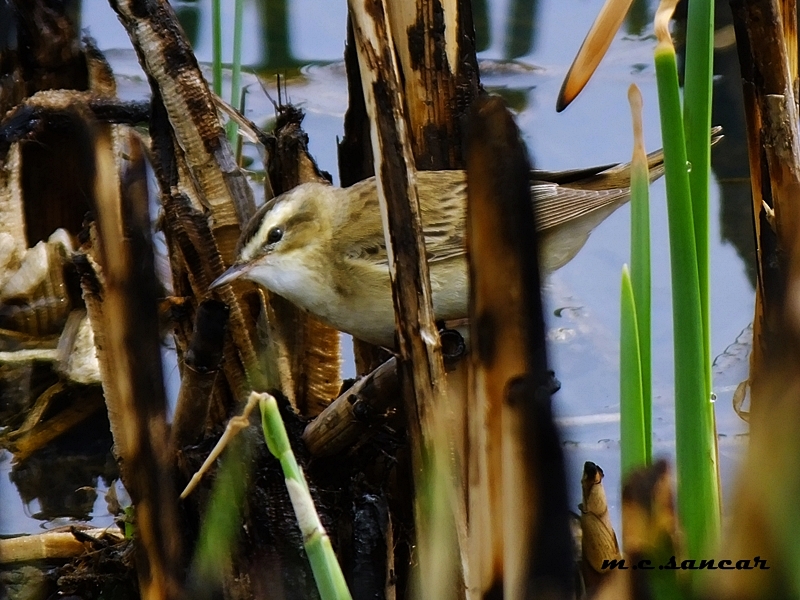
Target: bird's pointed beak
{"x": 235, "y": 272}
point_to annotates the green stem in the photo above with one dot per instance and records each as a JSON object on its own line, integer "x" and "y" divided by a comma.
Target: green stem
{"x": 697, "y": 124}
{"x": 327, "y": 572}
{"x": 698, "y": 492}
{"x": 216, "y": 46}
{"x": 222, "y": 522}
{"x": 641, "y": 282}
{"x": 236, "y": 73}
{"x": 633, "y": 445}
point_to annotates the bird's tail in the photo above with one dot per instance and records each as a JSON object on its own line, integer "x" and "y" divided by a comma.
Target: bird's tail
{"x": 610, "y": 176}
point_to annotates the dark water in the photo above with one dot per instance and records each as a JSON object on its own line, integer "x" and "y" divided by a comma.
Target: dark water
{"x": 526, "y": 48}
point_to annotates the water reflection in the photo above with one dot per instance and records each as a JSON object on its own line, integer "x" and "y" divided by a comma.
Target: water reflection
{"x": 517, "y": 98}
{"x": 730, "y": 162}
{"x": 521, "y": 28}
{"x": 277, "y": 45}
{"x": 188, "y": 14}
{"x": 480, "y": 17}
{"x": 274, "y": 26}
{"x": 639, "y": 18}
{"x": 60, "y": 481}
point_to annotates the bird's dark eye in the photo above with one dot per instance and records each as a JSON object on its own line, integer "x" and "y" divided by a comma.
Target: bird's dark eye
{"x": 274, "y": 236}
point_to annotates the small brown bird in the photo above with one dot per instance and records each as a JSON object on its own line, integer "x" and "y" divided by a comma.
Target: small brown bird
{"x": 322, "y": 247}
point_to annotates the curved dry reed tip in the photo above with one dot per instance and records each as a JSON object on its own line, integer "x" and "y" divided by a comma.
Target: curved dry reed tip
{"x": 594, "y": 47}
{"x": 635, "y": 100}
{"x": 661, "y": 22}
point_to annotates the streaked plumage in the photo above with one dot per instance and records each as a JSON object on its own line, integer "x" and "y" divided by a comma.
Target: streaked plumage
{"x": 331, "y": 256}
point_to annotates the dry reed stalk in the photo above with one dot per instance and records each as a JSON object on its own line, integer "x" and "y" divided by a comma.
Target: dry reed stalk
{"x": 121, "y": 288}
{"x": 769, "y": 73}
{"x": 195, "y": 163}
{"x": 420, "y": 365}
{"x": 519, "y": 537}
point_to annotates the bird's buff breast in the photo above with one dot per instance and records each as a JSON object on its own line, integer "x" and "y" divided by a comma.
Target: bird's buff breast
{"x": 359, "y": 301}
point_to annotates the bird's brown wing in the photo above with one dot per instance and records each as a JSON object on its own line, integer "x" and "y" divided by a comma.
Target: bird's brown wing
{"x": 365, "y": 240}
{"x": 444, "y": 209}
{"x": 556, "y": 205}
{"x": 611, "y": 176}
{"x": 443, "y": 203}
{"x": 442, "y": 196}
{"x": 604, "y": 177}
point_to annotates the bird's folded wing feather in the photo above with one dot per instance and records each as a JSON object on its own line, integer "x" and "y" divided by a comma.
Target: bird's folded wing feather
{"x": 556, "y": 205}
{"x": 443, "y": 207}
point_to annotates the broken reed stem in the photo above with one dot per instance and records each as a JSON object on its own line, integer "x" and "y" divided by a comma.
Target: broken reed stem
{"x": 420, "y": 364}
{"x": 200, "y": 366}
{"x": 307, "y": 352}
{"x": 346, "y": 420}
{"x": 435, "y": 45}
{"x": 598, "y": 539}
{"x": 519, "y": 538}
{"x": 134, "y": 383}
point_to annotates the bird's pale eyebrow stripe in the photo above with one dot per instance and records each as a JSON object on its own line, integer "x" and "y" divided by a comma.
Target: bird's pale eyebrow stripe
{"x": 248, "y": 246}
{"x": 252, "y": 226}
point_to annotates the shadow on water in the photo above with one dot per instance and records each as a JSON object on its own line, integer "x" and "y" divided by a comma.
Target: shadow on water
{"x": 521, "y": 28}
{"x": 729, "y": 160}
{"x": 639, "y": 18}
{"x": 61, "y": 480}
{"x": 188, "y": 13}
{"x": 731, "y": 164}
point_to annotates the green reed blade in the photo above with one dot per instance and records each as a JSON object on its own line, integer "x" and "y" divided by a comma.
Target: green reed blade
{"x": 640, "y": 263}
{"x": 697, "y": 123}
{"x": 698, "y": 491}
{"x": 633, "y": 450}
{"x": 236, "y": 72}
{"x": 216, "y": 46}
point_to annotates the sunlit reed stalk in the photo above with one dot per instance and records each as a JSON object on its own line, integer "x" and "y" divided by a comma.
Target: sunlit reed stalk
{"x": 327, "y": 572}
{"x": 640, "y": 262}
{"x": 236, "y": 71}
{"x": 216, "y": 46}
{"x": 697, "y": 91}
{"x": 633, "y": 452}
{"x": 698, "y": 491}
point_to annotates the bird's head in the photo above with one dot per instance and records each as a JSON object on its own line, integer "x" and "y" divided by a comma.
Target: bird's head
{"x": 281, "y": 240}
